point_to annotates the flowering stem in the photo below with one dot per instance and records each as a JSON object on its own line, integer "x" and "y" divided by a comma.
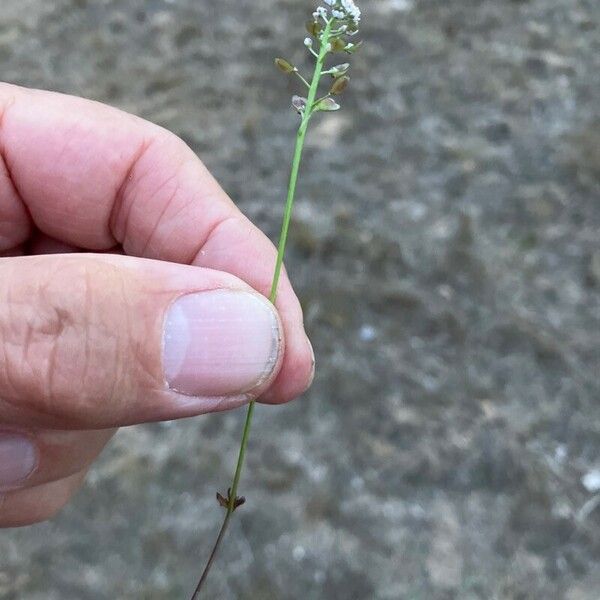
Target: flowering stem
{"x": 287, "y": 216}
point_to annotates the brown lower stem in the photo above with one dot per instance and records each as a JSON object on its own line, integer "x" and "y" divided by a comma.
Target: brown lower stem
{"x": 213, "y": 554}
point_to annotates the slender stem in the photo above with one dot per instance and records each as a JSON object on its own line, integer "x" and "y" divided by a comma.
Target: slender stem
{"x": 287, "y": 216}
{"x": 302, "y": 79}
{"x": 213, "y": 554}
{"x": 289, "y": 204}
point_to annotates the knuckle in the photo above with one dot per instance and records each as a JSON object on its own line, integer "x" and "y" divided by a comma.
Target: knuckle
{"x": 147, "y": 179}
{"x": 64, "y": 334}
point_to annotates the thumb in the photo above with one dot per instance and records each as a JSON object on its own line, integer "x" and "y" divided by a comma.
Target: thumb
{"x": 95, "y": 341}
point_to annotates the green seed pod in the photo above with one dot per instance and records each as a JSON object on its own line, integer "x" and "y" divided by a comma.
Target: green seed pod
{"x": 339, "y": 85}
{"x": 338, "y": 45}
{"x": 327, "y": 105}
{"x": 340, "y": 70}
{"x": 314, "y": 28}
{"x": 284, "y": 66}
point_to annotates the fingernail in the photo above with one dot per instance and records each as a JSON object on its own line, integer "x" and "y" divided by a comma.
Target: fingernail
{"x": 220, "y": 343}
{"x": 18, "y": 458}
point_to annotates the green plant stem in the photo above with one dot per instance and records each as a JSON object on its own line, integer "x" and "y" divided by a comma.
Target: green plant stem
{"x": 287, "y": 217}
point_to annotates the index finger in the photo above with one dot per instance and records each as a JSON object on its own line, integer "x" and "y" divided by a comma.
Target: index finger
{"x": 93, "y": 176}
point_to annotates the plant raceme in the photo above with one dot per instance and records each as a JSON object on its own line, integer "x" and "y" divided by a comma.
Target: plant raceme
{"x": 331, "y": 30}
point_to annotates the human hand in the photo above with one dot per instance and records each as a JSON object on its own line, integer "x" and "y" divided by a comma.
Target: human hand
{"x": 165, "y": 319}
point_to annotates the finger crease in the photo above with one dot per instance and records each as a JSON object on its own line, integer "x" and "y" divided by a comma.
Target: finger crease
{"x": 5, "y": 167}
{"x": 212, "y": 231}
{"x": 166, "y": 205}
{"x": 121, "y": 193}
{"x": 3, "y": 159}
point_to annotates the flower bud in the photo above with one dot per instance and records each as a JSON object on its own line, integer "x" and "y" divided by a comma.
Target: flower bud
{"x": 308, "y": 42}
{"x": 339, "y": 85}
{"x": 353, "y": 48}
{"x": 299, "y": 103}
{"x": 284, "y": 66}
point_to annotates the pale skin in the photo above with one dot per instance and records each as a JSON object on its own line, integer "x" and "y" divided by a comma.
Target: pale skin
{"x": 105, "y": 220}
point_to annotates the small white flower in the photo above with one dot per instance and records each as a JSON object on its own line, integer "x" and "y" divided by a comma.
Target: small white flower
{"x": 308, "y": 42}
{"x": 338, "y": 14}
{"x": 330, "y": 2}
{"x": 352, "y": 10}
{"x": 321, "y": 12}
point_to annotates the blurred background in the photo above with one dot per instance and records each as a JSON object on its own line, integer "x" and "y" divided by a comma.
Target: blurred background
{"x": 446, "y": 249}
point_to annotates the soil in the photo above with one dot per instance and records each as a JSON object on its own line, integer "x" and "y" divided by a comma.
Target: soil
{"x": 446, "y": 249}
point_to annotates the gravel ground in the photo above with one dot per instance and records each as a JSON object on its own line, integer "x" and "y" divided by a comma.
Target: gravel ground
{"x": 446, "y": 250}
